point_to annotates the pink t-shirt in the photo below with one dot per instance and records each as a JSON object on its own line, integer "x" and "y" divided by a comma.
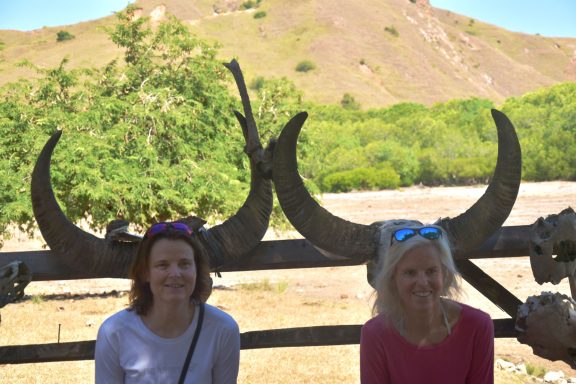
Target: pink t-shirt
{"x": 466, "y": 356}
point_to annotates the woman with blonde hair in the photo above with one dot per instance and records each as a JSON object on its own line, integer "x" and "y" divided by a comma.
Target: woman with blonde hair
{"x": 420, "y": 333}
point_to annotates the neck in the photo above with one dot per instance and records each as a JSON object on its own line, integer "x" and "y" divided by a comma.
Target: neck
{"x": 169, "y": 321}
{"x": 427, "y": 327}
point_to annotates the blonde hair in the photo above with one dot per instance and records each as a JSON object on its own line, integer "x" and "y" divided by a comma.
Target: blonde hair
{"x": 387, "y": 300}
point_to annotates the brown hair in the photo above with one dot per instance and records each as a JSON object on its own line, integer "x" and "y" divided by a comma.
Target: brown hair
{"x": 141, "y": 297}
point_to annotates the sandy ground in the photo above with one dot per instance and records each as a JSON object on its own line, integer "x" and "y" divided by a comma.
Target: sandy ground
{"x": 425, "y": 204}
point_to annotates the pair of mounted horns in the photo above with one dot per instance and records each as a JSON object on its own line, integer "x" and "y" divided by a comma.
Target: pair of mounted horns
{"x": 360, "y": 242}
{"x": 104, "y": 258}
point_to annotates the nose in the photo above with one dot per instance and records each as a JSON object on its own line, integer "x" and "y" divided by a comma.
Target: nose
{"x": 173, "y": 270}
{"x": 421, "y": 278}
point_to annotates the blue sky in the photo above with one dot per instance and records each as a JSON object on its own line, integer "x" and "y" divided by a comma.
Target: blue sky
{"x": 26, "y": 15}
{"x": 554, "y": 18}
{"x": 547, "y": 17}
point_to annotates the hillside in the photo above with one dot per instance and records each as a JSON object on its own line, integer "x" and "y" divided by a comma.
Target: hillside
{"x": 380, "y": 51}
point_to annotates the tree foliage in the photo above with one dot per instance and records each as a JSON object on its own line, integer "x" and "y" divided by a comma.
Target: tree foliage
{"x": 64, "y": 36}
{"x": 148, "y": 138}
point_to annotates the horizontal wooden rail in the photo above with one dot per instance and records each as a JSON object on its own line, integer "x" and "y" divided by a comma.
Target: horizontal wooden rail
{"x": 278, "y": 254}
{"x": 272, "y": 338}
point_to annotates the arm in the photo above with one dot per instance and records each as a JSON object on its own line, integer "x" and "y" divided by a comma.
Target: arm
{"x": 227, "y": 363}
{"x": 482, "y": 368}
{"x": 373, "y": 364}
{"x": 107, "y": 360}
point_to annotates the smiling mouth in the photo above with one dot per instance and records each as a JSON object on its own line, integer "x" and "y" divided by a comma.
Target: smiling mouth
{"x": 422, "y": 294}
{"x": 174, "y": 285}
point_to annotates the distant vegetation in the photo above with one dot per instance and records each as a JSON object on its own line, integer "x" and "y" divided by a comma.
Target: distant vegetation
{"x": 392, "y": 30}
{"x": 250, "y": 4}
{"x": 64, "y": 36}
{"x": 349, "y": 102}
{"x": 305, "y": 66}
{"x": 260, "y": 14}
{"x": 153, "y": 137}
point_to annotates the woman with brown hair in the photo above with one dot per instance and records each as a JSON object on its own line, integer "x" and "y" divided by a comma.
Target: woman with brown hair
{"x": 153, "y": 341}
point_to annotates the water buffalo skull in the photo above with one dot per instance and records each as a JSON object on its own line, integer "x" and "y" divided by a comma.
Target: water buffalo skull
{"x": 369, "y": 243}
{"x": 554, "y": 235}
{"x": 547, "y": 323}
{"x": 106, "y": 257}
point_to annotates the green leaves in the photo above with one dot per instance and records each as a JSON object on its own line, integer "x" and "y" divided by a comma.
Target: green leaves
{"x": 152, "y": 138}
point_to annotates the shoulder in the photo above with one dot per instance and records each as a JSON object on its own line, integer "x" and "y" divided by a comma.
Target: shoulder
{"x": 118, "y": 321}
{"x": 377, "y": 325}
{"x": 476, "y": 318}
{"x": 218, "y": 318}
{"x": 475, "y": 313}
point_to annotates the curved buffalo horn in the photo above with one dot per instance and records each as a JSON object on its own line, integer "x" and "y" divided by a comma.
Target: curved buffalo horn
{"x": 103, "y": 258}
{"x": 473, "y": 227}
{"x": 79, "y": 249}
{"x": 242, "y": 232}
{"x": 360, "y": 242}
{"x": 315, "y": 223}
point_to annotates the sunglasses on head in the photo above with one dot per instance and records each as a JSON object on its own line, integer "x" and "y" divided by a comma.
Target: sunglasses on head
{"x": 167, "y": 226}
{"x": 403, "y": 234}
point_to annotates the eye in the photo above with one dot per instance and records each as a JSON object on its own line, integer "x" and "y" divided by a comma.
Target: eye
{"x": 432, "y": 271}
{"x": 409, "y": 273}
{"x": 185, "y": 263}
{"x": 161, "y": 265}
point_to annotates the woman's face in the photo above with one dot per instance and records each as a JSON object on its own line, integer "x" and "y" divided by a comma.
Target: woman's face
{"x": 171, "y": 271}
{"x": 419, "y": 278}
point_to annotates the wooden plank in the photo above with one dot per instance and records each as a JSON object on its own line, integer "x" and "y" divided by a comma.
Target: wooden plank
{"x": 489, "y": 287}
{"x": 271, "y": 338}
{"x": 277, "y": 254}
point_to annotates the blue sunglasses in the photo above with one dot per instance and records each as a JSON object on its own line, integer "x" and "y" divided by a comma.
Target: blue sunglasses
{"x": 167, "y": 226}
{"x": 403, "y": 234}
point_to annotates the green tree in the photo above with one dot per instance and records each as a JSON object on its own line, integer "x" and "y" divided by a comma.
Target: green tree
{"x": 64, "y": 36}
{"x": 152, "y": 138}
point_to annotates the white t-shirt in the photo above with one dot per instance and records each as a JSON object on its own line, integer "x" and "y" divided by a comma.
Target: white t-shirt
{"x": 128, "y": 352}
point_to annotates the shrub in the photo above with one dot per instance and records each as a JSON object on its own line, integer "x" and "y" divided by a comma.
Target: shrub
{"x": 64, "y": 35}
{"x": 257, "y": 83}
{"x": 249, "y": 4}
{"x": 361, "y": 179}
{"x": 392, "y": 30}
{"x": 260, "y": 14}
{"x": 535, "y": 370}
{"x": 348, "y": 102}
{"x": 305, "y": 66}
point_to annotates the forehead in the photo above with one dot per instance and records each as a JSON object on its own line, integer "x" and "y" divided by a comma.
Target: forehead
{"x": 425, "y": 255}
{"x": 171, "y": 248}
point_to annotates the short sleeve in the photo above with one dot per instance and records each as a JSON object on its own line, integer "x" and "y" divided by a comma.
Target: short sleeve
{"x": 107, "y": 360}
{"x": 482, "y": 368}
{"x": 227, "y": 361}
{"x": 373, "y": 364}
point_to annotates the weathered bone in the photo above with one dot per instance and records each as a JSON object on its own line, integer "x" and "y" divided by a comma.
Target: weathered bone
{"x": 555, "y": 235}
{"x": 547, "y": 323}
{"x": 14, "y": 277}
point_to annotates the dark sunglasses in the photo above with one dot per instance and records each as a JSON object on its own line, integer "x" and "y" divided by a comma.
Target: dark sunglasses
{"x": 167, "y": 226}
{"x": 403, "y": 234}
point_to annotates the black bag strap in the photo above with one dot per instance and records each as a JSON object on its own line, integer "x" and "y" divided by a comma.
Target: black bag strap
{"x": 192, "y": 345}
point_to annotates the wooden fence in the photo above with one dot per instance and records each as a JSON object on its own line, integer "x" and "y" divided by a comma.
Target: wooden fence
{"x": 509, "y": 241}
